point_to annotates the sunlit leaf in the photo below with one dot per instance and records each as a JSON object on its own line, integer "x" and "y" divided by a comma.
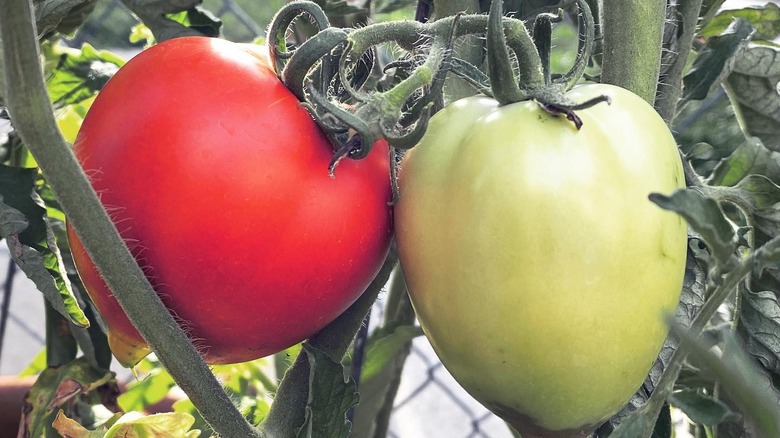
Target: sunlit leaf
{"x": 136, "y": 425}
{"x": 199, "y": 19}
{"x": 751, "y": 157}
{"x": 143, "y": 393}
{"x": 74, "y": 75}
{"x": 765, "y": 19}
{"x": 30, "y": 238}
{"x": 330, "y": 397}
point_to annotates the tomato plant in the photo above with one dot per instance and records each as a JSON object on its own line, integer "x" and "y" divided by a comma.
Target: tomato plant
{"x": 546, "y": 249}
{"x": 538, "y": 264}
{"x": 263, "y": 248}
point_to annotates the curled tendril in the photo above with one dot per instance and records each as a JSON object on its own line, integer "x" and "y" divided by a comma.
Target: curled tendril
{"x": 586, "y": 31}
{"x": 334, "y": 72}
{"x": 284, "y": 18}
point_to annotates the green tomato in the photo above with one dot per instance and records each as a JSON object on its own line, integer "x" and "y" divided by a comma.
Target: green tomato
{"x": 538, "y": 268}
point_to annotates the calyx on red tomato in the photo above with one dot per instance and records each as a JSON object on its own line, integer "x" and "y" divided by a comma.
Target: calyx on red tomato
{"x": 218, "y": 180}
{"x": 538, "y": 268}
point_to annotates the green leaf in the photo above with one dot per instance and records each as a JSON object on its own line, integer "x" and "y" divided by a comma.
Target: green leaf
{"x": 31, "y": 240}
{"x": 199, "y": 19}
{"x": 759, "y": 320}
{"x": 705, "y": 216}
{"x": 765, "y": 19}
{"x": 74, "y": 75}
{"x": 740, "y": 378}
{"x": 185, "y": 406}
{"x": 753, "y": 85}
{"x": 330, "y": 397}
{"x": 146, "y": 392}
{"x": 61, "y": 15}
{"x": 751, "y": 157}
{"x": 338, "y": 7}
{"x": 700, "y": 408}
{"x": 383, "y": 347}
{"x": 711, "y": 65}
{"x": 758, "y": 196}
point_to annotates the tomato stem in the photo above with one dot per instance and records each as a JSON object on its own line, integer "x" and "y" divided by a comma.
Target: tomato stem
{"x": 633, "y": 34}
{"x": 506, "y": 89}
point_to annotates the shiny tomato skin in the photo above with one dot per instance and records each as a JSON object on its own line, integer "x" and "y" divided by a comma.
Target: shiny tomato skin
{"x": 537, "y": 266}
{"x": 218, "y": 181}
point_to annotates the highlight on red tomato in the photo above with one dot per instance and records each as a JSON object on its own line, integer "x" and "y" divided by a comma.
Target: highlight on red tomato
{"x": 538, "y": 268}
{"x": 218, "y": 181}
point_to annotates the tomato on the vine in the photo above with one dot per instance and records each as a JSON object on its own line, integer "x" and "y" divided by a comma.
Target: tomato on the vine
{"x": 218, "y": 181}
{"x": 538, "y": 267}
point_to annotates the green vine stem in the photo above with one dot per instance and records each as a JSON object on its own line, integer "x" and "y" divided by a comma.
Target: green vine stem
{"x": 288, "y": 411}
{"x": 469, "y": 49}
{"x": 633, "y": 35}
{"x": 670, "y": 88}
{"x": 32, "y": 116}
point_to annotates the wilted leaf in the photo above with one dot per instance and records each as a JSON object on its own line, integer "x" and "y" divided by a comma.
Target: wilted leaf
{"x": 67, "y": 387}
{"x": 330, "y": 397}
{"x": 760, "y": 321}
{"x": 31, "y": 240}
{"x": 754, "y": 91}
{"x": 712, "y": 64}
{"x": 700, "y": 408}
{"x": 70, "y": 428}
{"x": 751, "y": 157}
{"x": 764, "y": 19}
{"x": 136, "y": 425}
{"x": 745, "y": 383}
{"x": 705, "y": 216}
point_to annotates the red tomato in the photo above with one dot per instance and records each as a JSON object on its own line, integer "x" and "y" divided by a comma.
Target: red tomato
{"x": 218, "y": 180}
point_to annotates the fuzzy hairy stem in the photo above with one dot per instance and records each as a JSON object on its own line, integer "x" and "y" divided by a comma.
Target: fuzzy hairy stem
{"x": 670, "y": 89}
{"x": 633, "y": 35}
{"x": 469, "y": 49}
{"x": 32, "y": 115}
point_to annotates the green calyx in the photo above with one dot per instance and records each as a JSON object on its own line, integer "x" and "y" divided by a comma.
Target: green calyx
{"x": 538, "y": 85}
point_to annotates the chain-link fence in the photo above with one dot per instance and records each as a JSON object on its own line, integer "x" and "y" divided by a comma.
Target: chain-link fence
{"x": 429, "y": 403}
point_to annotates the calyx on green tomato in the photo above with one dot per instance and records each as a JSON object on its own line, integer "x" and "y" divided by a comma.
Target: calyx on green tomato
{"x": 218, "y": 180}
{"x": 538, "y": 268}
